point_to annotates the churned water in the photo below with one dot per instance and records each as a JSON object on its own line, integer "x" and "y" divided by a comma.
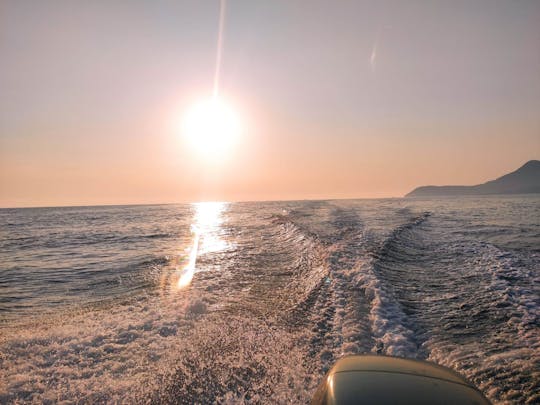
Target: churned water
{"x": 253, "y": 302}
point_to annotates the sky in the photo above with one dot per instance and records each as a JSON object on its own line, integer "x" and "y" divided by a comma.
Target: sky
{"x": 336, "y": 99}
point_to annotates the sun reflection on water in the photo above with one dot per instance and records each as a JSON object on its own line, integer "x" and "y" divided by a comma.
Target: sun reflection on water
{"x": 206, "y": 238}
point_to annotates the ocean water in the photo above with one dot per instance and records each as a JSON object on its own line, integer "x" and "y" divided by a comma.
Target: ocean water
{"x": 253, "y": 302}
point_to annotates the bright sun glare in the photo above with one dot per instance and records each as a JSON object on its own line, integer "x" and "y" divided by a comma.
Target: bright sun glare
{"x": 211, "y": 127}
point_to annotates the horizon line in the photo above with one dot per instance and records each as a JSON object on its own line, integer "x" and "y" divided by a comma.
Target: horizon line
{"x": 197, "y": 202}
{"x": 270, "y": 201}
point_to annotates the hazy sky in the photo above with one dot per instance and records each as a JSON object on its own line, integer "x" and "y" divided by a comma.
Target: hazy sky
{"x": 337, "y": 99}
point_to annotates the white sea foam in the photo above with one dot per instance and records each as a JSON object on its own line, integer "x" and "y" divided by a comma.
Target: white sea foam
{"x": 92, "y": 355}
{"x": 388, "y": 322}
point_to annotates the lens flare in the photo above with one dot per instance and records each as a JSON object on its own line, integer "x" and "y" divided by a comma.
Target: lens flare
{"x": 187, "y": 273}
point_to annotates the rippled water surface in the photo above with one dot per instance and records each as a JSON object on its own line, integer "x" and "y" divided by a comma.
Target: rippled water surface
{"x": 253, "y": 302}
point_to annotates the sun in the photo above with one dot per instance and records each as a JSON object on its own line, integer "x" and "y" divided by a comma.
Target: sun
{"x": 211, "y": 127}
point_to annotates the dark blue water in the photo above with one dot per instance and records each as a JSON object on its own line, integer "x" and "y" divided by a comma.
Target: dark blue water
{"x": 56, "y": 256}
{"x": 254, "y": 301}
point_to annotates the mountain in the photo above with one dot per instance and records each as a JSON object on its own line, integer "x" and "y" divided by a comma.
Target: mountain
{"x": 524, "y": 180}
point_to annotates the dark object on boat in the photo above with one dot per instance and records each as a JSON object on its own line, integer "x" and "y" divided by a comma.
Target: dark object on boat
{"x": 392, "y": 380}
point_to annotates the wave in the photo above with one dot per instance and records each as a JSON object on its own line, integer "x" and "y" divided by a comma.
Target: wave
{"x": 500, "y": 309}
{"x": 349, "y": 301}
{"x": 24, "y": 298}
{"x": 392, "y": 328}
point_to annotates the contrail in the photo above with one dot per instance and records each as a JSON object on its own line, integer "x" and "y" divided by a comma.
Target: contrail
{"x": 219, "y": 45}
{"x": 373, "y": 58}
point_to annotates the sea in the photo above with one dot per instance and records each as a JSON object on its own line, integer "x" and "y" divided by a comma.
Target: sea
{"x": 253, "y": 302}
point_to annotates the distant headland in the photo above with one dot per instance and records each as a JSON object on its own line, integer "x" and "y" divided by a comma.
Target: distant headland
{"x": 524, "y": 180}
